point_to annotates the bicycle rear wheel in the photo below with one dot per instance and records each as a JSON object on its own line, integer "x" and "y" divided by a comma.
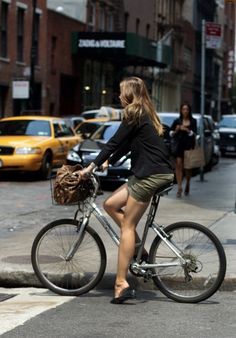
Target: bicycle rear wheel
{"x": 77, "y": 275}
{"x": 206, "y": 263}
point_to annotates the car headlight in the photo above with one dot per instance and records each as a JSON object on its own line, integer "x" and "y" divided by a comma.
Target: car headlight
{"x": 73, "y": 156}
{"x": 28, "y": 150}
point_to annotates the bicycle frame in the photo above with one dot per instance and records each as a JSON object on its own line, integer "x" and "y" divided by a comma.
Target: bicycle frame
{"x": 92, "y": 208}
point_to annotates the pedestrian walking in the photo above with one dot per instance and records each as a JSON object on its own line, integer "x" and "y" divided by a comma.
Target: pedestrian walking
{"x": 140, "y": 133}
{"x": 183, "y": 131}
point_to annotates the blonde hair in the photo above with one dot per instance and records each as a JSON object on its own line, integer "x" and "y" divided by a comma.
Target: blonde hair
{"x": 136, "y": 100}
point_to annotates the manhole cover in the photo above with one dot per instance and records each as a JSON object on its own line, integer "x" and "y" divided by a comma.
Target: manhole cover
{"x": 4, "y": 296}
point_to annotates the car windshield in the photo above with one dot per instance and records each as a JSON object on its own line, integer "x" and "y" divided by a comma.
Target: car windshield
{"x": 227, "y": 122}
{"x": 105, "y": 132}
{"x": 25, "y": 127}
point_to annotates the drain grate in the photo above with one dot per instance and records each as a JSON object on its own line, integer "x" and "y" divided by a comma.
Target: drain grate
{"x": 4, "y": 296}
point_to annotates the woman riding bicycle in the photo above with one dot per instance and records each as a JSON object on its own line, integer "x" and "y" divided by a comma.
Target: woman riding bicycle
{"x": 140, "y": 133}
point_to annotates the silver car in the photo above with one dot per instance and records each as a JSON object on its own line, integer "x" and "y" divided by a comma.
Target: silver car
{"x": 210, "y": 150}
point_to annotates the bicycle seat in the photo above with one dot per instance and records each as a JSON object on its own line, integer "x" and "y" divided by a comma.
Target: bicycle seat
{"x": 164, "y": 189}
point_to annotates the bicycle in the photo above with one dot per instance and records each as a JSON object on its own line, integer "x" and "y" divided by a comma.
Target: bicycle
{"x": 186, "y": 260}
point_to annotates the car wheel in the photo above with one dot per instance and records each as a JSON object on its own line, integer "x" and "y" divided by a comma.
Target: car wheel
{"x": 46, "y": 168}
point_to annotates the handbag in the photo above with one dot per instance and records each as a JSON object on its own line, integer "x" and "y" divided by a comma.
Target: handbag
{"x": 194, "y": 158}
{"x": 69, "y": 187}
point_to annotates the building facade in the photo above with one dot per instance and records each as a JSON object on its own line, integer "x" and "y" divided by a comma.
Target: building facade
{"x": 17, "y": 56}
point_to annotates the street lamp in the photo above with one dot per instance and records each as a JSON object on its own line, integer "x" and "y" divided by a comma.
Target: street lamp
{"x": 32, "y": 55}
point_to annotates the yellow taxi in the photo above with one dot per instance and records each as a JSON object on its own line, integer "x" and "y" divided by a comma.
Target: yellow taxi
{"x": 35, "y": 143}
{"x": 87, "y": 127}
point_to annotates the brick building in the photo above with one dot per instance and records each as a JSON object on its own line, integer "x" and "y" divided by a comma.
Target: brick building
{"x": 64, "y": 77}
{"x": 15, "y": 53}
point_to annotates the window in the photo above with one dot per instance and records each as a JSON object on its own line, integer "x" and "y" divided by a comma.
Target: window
{"x": 137, "y": 25}
{"x": 102, "y": 20}
{"x": 20, "y": 34}
{"x": 36, "y": 38}
{"x": 126, "y": 21}
{"x": 25, "y": 127}
{"x": 110, "y": 22}
{"x": 3, "y": 28}
{"x": 91, "y": 16}
{"x": 53, "y": 54}
{"x": 62, "y": 130}
{"x": 147, "y": 30}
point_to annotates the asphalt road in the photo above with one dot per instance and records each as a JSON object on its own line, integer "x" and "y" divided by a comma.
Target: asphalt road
{"x": 151, "y": 315}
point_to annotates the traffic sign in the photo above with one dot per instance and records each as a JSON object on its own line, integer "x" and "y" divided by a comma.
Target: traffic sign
{"x": 213, "y": 35}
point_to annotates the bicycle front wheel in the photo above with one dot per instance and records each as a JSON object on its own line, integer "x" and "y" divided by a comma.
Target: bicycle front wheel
{"x": 71, "y": 277}
{"x": 205, "y": 266}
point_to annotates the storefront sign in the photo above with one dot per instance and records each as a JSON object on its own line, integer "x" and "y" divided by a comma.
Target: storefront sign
{"x": 213, "y": 35}
{"x": 20, "y": 89}
{"x": 92, "y": 43}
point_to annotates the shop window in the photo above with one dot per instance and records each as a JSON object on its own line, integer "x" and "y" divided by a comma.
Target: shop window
{"x": 3, "y": 29}
{"x": 20, "y": 34}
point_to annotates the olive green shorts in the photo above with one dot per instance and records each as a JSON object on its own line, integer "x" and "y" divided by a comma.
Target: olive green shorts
{"x": 143, "y": 189}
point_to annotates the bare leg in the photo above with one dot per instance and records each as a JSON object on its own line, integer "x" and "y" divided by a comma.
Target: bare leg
{"x": 114, "y": 204}
{"x": 188, "y": 175}
{"x": 133, "y": 212}
{"x": 179, "y": 174}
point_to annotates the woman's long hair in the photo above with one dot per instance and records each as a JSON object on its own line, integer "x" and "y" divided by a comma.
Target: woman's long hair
{"x": 136, "y": 101}
{"x": 189, "y": 110}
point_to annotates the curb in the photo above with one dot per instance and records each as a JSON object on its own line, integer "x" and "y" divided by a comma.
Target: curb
{"x": 28, "y": 279}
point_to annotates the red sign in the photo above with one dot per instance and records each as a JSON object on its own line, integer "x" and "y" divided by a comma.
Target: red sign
{"x": 213, "y": 35}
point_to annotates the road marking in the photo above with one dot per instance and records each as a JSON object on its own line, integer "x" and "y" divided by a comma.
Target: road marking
{"x": 28, "y": 303}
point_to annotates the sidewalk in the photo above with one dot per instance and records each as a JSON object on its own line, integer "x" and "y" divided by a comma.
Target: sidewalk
{"x": 210, "y": 203}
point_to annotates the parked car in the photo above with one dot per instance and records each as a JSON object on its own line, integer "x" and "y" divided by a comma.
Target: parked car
{"x": 34, "y": 143}
{"x": 227, "y": 130}
{"x": 210, "y": 149}
{"x": 86, "y": 152}
{"x": 86, "y": 128}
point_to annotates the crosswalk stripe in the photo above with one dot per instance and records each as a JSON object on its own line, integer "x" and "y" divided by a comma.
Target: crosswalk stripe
{"x": 28, "y": 303}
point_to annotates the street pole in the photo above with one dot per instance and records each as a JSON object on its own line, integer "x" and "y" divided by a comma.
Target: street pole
{"x": 203, "y": 62}
{"x": 32, "y": 56}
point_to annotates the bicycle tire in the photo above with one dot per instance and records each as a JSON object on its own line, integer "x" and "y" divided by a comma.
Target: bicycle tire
{"x": 68, "y": 278}
{"x": 206, "y": 254}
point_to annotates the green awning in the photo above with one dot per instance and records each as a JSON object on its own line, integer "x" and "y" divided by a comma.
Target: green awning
{"x": 123, "y": 48}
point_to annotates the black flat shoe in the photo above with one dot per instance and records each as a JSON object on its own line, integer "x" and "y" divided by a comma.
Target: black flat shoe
{"x": 186, "y": 191}
{"x": 126, "y": 294}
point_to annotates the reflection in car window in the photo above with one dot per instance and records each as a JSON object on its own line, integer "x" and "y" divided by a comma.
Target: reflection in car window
{"x": 227, "y": 122}
{"x": 105, "y": 132}
{"x": 25, "y": 127}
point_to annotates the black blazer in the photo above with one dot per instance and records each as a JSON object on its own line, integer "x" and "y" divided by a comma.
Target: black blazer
{"x": 186, "y": 141}
{"x": 149, "y": 154}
